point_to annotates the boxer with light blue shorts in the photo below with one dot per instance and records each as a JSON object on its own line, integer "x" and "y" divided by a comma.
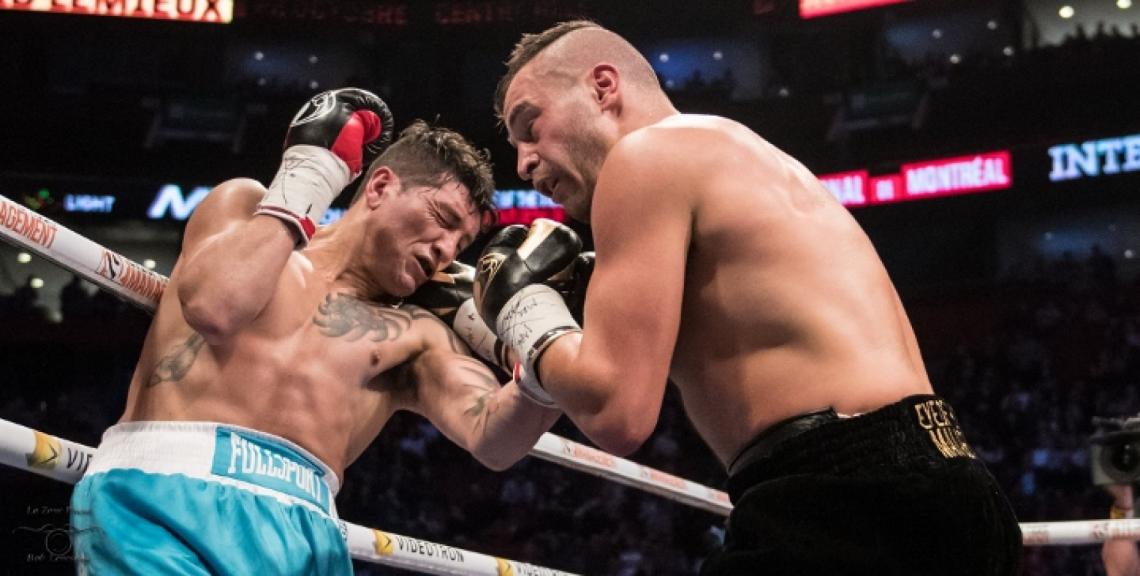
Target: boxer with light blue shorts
{"x": 151, "y": 500}
{"x": 280, "y": 349}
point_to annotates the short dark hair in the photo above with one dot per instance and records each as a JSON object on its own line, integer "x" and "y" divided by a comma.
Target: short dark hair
{"x": 427, "y": 155}
{"x": 530, "y": 46}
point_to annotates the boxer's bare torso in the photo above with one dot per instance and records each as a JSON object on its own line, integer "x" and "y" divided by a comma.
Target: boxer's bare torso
{"x": 725, "y": 266}
{"x": 787, "y": 308}
{"x": 322, "y": 365}
{"x": 317, "y": 368}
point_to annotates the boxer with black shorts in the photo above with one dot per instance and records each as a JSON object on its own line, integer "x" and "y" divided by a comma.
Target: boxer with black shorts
{"x": 724, "y": 265}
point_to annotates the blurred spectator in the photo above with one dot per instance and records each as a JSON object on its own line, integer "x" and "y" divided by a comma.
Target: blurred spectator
{"x": 74, "y": 301}
{"x": 24, "y": 302}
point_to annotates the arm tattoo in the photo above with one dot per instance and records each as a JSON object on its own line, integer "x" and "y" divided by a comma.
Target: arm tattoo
{"x": 483, "y": 407}
{"x": 177, "y": 362}
{"x": 343, "y": 315}
{"x": 452, "y": 339}
{"x": 418, "y": 313}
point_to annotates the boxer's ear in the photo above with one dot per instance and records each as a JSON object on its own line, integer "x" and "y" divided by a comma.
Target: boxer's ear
{"x": 604, "y": 84}
{"x": 381, "y": 183}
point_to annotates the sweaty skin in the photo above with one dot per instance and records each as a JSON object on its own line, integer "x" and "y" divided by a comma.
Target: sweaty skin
{"x": 723, "y": 265}
{"x": 324, "y": 363}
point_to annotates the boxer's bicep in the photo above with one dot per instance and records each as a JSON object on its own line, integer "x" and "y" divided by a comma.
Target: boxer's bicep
{"x": 641, "y": 226}
{"x": 226, "y": 207}
{"x": 230, "y": 261}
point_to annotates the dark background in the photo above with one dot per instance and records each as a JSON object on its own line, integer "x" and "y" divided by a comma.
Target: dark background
{"x": 1024, "y": 300}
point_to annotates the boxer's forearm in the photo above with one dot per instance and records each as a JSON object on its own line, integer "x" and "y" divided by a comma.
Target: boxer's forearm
{"x": 229, "y": 279}
{"x": 600, "y": 397}
{"x": 509, "y": 428}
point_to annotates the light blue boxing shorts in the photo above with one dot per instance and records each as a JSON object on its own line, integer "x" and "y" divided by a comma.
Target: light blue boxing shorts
{"x": 205, "y": 498}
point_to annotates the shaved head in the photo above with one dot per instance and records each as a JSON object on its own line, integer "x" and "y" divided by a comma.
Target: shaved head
{"x": 568, "y": 50}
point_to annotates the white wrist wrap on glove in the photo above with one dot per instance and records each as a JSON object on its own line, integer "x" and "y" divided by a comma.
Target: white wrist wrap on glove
{"x": 531, "y": 388}
{"x": 309, "y": 179}
{"x": 471, "y": 328}
{"x": 529, "y": 322}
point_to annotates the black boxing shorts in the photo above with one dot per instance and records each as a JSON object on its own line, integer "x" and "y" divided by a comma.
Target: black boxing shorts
{"x": 894, "y": 492}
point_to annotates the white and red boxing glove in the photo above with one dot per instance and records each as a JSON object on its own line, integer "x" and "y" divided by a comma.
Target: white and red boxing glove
{"x": 330, "y": 140}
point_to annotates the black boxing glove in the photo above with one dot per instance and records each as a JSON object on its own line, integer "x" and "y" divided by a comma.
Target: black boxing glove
{"x": 329, "y": 141}
{"x": 572, "y": 284}
{"x": 445, "y": 291}
{"x": 447, "y": 294}
{"x": 526, "y": 314}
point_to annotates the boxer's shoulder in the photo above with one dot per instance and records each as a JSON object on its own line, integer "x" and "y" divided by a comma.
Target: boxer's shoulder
{"x": 677, "y": 145}
{"x": 226, "y": 204}
{"x": 235, "y": 195}
{"x": 687, "y": 127}
{"x": 648, "y": 167}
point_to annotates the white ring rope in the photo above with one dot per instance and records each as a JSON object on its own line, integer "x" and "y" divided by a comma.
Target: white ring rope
{"x": 27, "y": 449}
{"x": 142, "y": 287}
{"x": 64, "y": 460}
{"x": 114, "y": 273}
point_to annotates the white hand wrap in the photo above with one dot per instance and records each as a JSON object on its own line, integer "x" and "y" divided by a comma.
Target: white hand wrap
{"x": 471, "y": 328}
{"x": 309, "y": 179}
{"x": 529, "y": 323}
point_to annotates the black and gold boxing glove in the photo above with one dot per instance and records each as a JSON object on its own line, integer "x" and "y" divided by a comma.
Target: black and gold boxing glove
{"x": 510, "y": 295}
{"x": 573, "y": 282}
{"x": 447, "y": 294}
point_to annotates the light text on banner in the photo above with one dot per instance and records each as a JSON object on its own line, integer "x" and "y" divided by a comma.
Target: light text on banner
{"x": 171, "y": 203}
{"x": 89, "y": 203}
{"x": 962, "y": 175}
{"x": 1095, "y": 158}
{"x": 885, "y": 188}
{"x": 212, "y": 11}
{"x": 920, "y": 180}
{"x": 850, "y": 188}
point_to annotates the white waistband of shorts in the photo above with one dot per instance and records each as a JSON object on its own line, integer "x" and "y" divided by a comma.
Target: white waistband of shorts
{"x": 187, "y": 448}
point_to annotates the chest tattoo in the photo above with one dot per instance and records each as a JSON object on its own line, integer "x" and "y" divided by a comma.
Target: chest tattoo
{"x": 177, "y": 361}
{"x": 341, "y": 315}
